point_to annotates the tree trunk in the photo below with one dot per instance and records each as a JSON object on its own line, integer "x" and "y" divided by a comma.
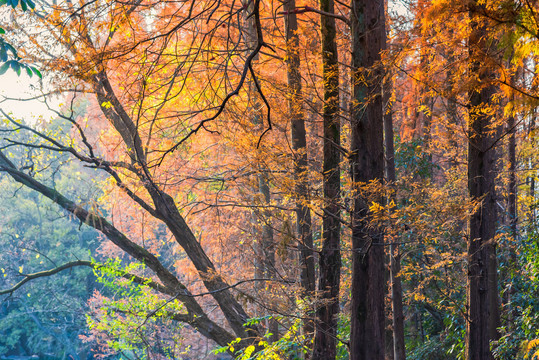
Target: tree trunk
{"x": 325, "y": 343}
{"x": 512, "y": 212}
{"x": 265, "y": 247}
{"x": 482, "y": 290}
{"x": 299, "y": 146}
{"x": 367, "y": 164}
{"x": 531, "y": 179}
{"x": 512, "y": 186}
{"x": 399, "y": 350}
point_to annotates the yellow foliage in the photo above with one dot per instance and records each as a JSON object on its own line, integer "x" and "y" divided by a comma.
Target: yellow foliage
{"x": 531, "y": 346}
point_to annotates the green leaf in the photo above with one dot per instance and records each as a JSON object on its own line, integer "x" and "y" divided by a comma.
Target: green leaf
{"x": 16, "y": 66}
{"x": 3, "y": 54}
{"x": 2, "y": 31}
{"x": 11, "y": 48}
{"x": 4, "y": 68}
{"x": 36, "y": 71}
{"x": 14, "y": 3}
{"x": 29, "y": 71}
{"x": 31, "y": 4}
{"x": 23, "y": 5}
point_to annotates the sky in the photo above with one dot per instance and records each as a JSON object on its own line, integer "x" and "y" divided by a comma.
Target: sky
{"x": 23, "y": 87}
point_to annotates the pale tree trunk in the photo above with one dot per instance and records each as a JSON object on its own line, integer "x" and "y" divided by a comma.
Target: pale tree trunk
{"x": 325, "y": 344}
{"x": 482, "y": 290}
{"x": 299, "y": 146}
{"x": 367, "y": 164}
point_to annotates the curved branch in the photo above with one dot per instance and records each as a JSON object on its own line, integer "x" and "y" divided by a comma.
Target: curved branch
{"x": 29, "y": 277}
{"x": 131, "y": 277}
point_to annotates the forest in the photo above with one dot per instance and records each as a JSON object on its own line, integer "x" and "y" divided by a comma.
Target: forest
{"x": 270, "y": 179}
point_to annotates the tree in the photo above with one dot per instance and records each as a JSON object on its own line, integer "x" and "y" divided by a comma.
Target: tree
{"x": 483, "y": 309}
{"x": 367, "y": 166}
{"x": 325, "y": 343}
{"x": 217, "y": 198}
{"x": 139, "y": 162}
{"x": 399, "y": 347}
{"x": 139, "y": 143}
{"x": 299, "y": 145}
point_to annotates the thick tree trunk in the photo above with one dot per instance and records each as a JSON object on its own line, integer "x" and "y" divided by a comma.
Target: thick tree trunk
{"x": 367, "y": 164}
{"x": 299, "y": 146}
{"x": 482, "y": 290}
{"x": 325, "y": 344}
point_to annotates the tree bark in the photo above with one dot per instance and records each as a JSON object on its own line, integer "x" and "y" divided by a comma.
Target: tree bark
{"x": 399, "y": 349}
{"x": 325, "y": 343}
{"x": 512, "y": 186}
{"x": 299, "y": 146}
{"x": 265, "y": 265}
{"x": 482, "y": 289}
{"x": 367, "y": 165}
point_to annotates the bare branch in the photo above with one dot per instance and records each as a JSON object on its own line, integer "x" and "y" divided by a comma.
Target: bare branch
{"x": 29, "y": 277}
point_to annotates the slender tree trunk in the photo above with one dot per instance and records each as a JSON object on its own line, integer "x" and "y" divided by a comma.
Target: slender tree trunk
{"x": 367, "y": 164}
{"x": 451, "y": 109}
{"x": 512, "y": 162}
{"x": 399, "y": 350}
{"x": 299, "y": 146}
{"x": 268, "y": 246}
{"x": 453, "y": 121}
{"x": 426, "y": 102}
{"x": 265, "y": 264}
{"x": 512, "y": 198}
{"x": 482, "y": 290}
{"x": 531, "y": 179}
{"x": 398, "y": 346}
{"x": 325, "y": 344}
{"x": 511, "y": 210}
